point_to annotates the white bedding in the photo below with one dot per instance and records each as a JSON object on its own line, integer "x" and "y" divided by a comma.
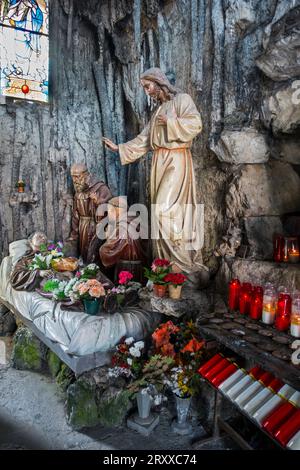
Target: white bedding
{"x": 77, "y": 332}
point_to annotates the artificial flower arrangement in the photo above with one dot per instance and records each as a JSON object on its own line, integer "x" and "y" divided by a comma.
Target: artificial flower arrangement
{"x": 159, "y": 269}
{"x": 175, "y": 282}
{"x": 126, "y": 292}
{"x": 127, "y": 361}
{"x": 172, "y": 361}
{"x": 80, "y": 287}
{"x": 48, "y": 253}
{"x": 183, "y": 344}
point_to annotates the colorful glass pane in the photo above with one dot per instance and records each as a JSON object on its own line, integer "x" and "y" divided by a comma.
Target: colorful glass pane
{"x": 24, "y": 49}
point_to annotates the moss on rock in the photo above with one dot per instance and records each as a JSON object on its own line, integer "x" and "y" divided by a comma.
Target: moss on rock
{"x": 64, "y": 377}
{"x": 81, "y": 405}
{"x": 54, "y": 363}
{"x": 28, "y": 351}
{"x": 113, "y": 411}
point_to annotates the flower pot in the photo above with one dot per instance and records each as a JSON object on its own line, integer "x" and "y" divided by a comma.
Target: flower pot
{"x": 182, "y": 426}
{"x": 160, "y": 290}
{"x": 91, "y": 306}
{"x": 175, "y": 291}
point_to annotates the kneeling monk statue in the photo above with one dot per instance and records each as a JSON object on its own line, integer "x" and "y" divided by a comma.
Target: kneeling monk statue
{"x": 89, "y": 194}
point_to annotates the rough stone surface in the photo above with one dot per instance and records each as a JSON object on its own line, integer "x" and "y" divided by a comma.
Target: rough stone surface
{"x": 245, "y": 146}
{"x": 54, "y": 363}
{"x": 28, "y": 351}
{"x": 94, "y": 398}
{"x": 270, "y": 189}
{"x": 258, "y": 273}
{"x": 259, "y": 232}
{"x": 7, "y": 324}
{"x": 286, "y": 150}
{"x": 192, "y": 303}
{"x": 281, "y": 111}
{"x": 281, "y": 60}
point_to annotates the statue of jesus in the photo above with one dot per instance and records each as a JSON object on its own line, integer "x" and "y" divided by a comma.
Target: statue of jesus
{"x": 169, "y": 134}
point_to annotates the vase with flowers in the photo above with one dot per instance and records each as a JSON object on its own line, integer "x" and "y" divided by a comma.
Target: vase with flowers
{"x": 90, "y": 292}
{"x": 175, "y": 282}
{"x": 159, "y": 269}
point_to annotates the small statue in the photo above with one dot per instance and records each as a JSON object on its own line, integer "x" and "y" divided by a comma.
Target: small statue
{"x": 89, "y": 194}
{"x": 121, "y": 244}
{"x": 22, "y": 278}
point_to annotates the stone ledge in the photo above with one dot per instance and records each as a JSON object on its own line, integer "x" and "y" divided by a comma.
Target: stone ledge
{"x": 192, "y": 302}
{"x": 257, "y": 272}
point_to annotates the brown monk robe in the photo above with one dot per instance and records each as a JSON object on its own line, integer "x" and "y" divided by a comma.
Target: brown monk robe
{"x": 119, "y": 245}
{"x": 89, "y": 194}
{"x": 22, "y": 278}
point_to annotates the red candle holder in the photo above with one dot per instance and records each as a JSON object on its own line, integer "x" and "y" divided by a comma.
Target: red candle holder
{"x": 283, "y": 313}
{"x": 256, "y": 304}
{"x": 245, "y": 298}
{"x": 278, "y": 246}
{"x": 233, "y": 294}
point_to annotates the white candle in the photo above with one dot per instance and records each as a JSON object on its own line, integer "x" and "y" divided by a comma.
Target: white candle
{"x": 268, "y": 317}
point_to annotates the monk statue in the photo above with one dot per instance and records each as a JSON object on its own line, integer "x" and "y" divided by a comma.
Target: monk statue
{"x": 123, "y": 244}
{"x": 175, "y": 215}
{"x": 22, "y": 278}
{"x": 89, "y": 194}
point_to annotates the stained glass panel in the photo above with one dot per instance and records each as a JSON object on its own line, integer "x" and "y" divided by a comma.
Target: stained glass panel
{"x": 24, "y": 49}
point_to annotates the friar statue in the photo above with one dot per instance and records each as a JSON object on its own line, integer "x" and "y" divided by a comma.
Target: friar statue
{"x": 22, "y": 278}
{"x": 123, "y": 243}
{"x": 175, "y": 217}
{"x": 89, "y": 194}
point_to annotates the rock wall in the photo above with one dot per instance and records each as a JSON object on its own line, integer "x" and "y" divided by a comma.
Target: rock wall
{"x": 238, "y": 59}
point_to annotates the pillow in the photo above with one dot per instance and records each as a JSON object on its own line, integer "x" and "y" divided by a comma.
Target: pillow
{"x": 18, "y": 249}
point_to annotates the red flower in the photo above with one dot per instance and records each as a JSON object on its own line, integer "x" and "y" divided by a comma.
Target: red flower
{"x": 159, "y": 263}
{"x": 193, "y": 346}
{"x": 175, "y": 278}
{"x": 124, "y": 277}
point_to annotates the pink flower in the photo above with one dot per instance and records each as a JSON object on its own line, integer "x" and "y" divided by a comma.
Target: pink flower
{"x": 124, "y": 277}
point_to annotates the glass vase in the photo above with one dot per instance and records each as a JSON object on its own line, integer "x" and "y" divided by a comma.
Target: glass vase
{"x": 182, "y": 426}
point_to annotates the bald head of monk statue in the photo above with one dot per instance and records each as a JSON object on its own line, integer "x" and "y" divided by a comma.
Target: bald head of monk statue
{"x": 80, "y": 177}
{"x": 36, "y": 240}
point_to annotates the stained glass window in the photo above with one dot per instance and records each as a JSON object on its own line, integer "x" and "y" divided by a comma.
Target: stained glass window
{"x": 24, "y": 46}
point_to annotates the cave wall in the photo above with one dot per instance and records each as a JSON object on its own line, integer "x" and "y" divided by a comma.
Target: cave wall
{"x": 226, "y": 53}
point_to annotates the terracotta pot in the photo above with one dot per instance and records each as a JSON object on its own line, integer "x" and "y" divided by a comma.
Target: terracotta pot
{"x": 160, "y": 290}
{"x": 175, "y": 292}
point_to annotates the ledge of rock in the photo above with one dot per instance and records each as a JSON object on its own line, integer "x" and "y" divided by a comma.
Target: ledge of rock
{"x": 281, "y": 111}
{"x": 245, "y": 146}
{"x": 192, "y": 303}
{"x": 258, "y": 273}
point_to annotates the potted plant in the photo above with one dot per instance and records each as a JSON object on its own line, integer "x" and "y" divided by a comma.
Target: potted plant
{"x": 175, "y": 282}
{"x": 90, "y": 291}
{"x": 159, "y": 269}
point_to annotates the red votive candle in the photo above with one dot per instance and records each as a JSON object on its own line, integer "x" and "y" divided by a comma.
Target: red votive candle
{"x": 245, "y": 298}
{"x": 278, "y": 416}
{"x": 288, "y": 429}
{"x": 283, "y": 313}
{"x": 278, "y": 242}
{"x": 210, "y": 363}
{"x": 256, "y": 303}
{"x": 233, "y": 294}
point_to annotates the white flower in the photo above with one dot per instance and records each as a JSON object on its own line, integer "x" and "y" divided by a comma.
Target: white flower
{"x": 129, "y": 361}
{"x": 92, "y": 267}
{"x": 129, "y": 340}
{"x": 135, "y": 352}
{"x": 139, "y": 345}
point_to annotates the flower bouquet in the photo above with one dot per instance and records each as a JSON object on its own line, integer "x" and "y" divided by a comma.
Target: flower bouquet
{"x": 88, "y": 272}
{"x": 125, "y": 294}
{"x": 175, "y": 282}
{"x": 90, "y": 292}
{"x": 128, "y": 360}
{"x": 159, "y": 269}
{"x": 48, "y": 253}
